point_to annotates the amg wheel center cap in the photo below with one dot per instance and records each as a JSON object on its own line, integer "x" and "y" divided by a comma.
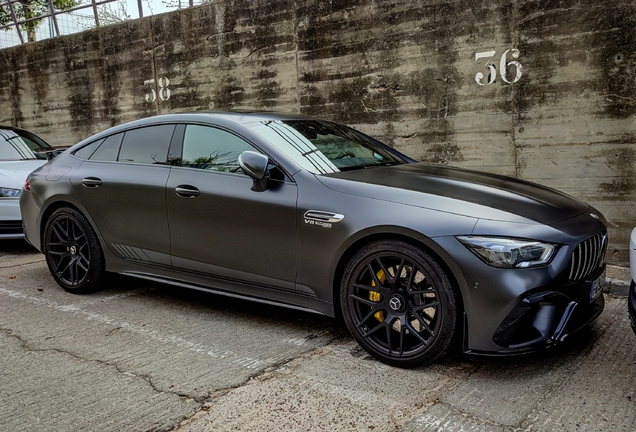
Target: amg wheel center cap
{"x": 73, "y": 250}
{"x": 395, "y": 303}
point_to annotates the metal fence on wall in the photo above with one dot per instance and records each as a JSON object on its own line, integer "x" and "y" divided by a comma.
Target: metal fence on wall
{"x": 22, "y": 21}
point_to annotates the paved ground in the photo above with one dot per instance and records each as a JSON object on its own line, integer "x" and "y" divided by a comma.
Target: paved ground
{"x": 141, "y": 357}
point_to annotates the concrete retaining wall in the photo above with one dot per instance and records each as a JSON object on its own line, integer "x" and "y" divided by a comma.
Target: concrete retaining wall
{"x": 425, "y": 76}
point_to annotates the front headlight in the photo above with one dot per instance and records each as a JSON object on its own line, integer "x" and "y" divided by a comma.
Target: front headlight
{"x": 509, "y": 253}
{"x": 10, "y": 193}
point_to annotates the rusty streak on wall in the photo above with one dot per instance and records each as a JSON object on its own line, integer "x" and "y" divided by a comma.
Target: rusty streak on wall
{"x": 400, "y": 70}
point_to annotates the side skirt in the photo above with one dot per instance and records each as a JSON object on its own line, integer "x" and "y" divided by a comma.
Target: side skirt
{"x": 245, "y": 292}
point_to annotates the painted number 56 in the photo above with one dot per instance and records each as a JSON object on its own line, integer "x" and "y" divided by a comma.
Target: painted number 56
{"x": 504, "y": 67}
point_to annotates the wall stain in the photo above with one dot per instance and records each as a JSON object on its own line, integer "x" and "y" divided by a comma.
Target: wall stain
{"x": 267, "y": 89}
{"x": 14, "y": 89}
{"x": 622, "y": 161}
{"x": 38, "y": 61}
{"x": 77, "y": 64}
{"x": 436, "y": 92}
{"x": 229, "y": 94}
{"x": 312, "y": 103}
{"x": 187, "y": 96}
{"x": 444, "y": 153}
{"x": 109, "y": 67}
{"x": 615, "y": 33}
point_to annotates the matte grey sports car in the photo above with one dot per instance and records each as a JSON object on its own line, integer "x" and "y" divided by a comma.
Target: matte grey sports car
{"x": 310, "y": 214}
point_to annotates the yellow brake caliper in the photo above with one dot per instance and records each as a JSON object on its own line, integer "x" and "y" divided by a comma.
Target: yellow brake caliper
{"x": 374, "y": 296}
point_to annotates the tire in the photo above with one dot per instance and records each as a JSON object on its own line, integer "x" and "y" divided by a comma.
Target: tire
{"x": 73, "y": 253}
{"x": 399, "y": 304}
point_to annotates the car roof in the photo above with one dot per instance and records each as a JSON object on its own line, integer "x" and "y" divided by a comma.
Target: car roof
{"x": 253, "y": 116}
{"x": 13, "y": 128}
{"x": 237, "y": 117}
{"x": 241, "y": 117}
{"x": 24, "y": 133}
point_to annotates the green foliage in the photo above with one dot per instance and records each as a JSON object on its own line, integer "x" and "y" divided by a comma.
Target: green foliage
{"x": 27, "y": 9}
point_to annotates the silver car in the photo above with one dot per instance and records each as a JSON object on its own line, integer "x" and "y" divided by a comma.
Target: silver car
{"x": 20, "y": 153}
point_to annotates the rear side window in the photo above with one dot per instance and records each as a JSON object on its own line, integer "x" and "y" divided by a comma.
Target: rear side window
{"x": 109, "y": 149}
{"x": 146, "y": 145}
{"x": 88, "y": 150}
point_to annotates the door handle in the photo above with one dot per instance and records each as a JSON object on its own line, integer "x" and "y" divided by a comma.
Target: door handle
{"x": 187, "y": 191}
{"x": 91, "y": 182}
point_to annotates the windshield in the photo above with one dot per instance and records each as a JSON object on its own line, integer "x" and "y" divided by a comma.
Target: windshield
{"x": 323, "y": 147}
{"x": 20, "y": 145}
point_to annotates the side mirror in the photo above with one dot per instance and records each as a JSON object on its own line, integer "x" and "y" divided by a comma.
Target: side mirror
{"x": 255, "y": 165}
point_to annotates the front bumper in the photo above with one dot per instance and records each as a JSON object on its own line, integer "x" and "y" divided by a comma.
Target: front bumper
{"x": 516, "y": 311}
{"x": 544, "y": 318}
{"x": 10, "y": 220}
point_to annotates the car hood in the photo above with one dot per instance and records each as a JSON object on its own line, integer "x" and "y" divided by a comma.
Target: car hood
{"x": 459, "y": 191}
{"x": 14, "y": 173}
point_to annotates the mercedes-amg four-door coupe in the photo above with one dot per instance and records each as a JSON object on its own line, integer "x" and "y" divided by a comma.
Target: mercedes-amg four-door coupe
{"x": 311, "y": 214}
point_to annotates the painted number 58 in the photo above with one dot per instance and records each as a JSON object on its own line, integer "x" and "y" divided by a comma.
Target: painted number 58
{"x": 164, "y": 91}
{"x": 504, "y": 67}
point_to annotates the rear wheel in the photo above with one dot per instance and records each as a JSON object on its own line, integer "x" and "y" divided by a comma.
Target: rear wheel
{"x": 398, "y": 303}
{"x": 73, "y": 252}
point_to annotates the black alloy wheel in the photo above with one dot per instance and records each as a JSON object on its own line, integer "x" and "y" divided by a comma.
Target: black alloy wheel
{"x": 399, "y": 304}
{"x": 72, "y": 251}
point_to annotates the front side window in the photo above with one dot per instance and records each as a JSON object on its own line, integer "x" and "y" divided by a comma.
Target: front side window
{"x": 214, "y": 149}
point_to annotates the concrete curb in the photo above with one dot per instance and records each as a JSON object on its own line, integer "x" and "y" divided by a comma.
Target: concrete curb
{"x": 617, "y": 288}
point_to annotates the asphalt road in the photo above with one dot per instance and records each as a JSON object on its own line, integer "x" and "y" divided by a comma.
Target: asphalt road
{"x": 147, "y": 357}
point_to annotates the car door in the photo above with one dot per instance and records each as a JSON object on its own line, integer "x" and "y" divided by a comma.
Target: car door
{"x": 218, "y": 225}
{"x": 122, "y": 186}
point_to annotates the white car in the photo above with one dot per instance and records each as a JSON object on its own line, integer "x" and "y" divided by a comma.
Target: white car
{"x": 20, "y": 153}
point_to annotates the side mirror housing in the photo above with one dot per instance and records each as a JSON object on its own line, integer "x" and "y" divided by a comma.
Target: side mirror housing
{"x": 255, "y": 165}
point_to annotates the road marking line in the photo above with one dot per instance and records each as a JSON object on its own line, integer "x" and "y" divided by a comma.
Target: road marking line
{"x": 214, "y": 352}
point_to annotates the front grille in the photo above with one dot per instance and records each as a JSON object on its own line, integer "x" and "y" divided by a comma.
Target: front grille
{"x": 10, "y": 227}
{"x": 588, "y": 257}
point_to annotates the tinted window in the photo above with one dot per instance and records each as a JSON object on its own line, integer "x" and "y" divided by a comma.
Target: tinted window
{"x": 18, "y": 145}
{"x": 212, "y": 149}
{"x": 109, "y": 149}
{"x": 33, "y": 141}
{"x": 146, "y": 145}
{"x": 86, "y": 151}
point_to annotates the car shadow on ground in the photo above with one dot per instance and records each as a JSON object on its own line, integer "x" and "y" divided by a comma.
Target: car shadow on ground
{"x": 15, "y": 247}
{"x": 202, "y": 302}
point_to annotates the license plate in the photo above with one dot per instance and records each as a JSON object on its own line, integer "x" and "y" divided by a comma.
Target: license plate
{"x": 596, "y": 287}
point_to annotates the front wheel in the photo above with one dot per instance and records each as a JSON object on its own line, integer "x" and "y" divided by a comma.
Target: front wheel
{"x": 398, "y": 303}
{"x": 73, "y": 253}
